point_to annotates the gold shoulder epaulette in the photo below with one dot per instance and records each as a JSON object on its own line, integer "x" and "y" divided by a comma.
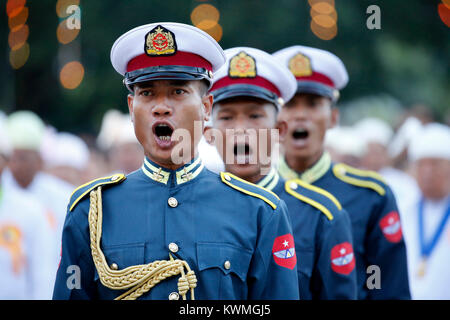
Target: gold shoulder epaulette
{"x": 79, "y": 193}
{"x": 249, "y": 188}
{"x": 317, "y": 197}
{"x": 360, "y": 178}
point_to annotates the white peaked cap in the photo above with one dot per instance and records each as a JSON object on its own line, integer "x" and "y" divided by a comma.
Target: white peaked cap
{"x": 255, "y": 73}
{"x": 316, "y": 70}
{"x": 374, "y": 130}
{"x": 166, "y": 50}
{"x": 433, "y": 141}
{"x": 25, "y": 130}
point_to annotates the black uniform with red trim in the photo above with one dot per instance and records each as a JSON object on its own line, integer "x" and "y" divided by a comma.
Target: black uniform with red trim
{"x": 323, "y": 239}
{"x": 376, "y": 227}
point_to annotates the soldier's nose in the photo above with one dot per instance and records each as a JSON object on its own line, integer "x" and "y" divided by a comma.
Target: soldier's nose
{"x": 162, "y": 109}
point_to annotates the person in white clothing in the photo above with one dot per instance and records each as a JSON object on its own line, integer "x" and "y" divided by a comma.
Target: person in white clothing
{"x": 426, "y": 222}
{"x": 26, "y": 258}
{"x": 24, "y": 173}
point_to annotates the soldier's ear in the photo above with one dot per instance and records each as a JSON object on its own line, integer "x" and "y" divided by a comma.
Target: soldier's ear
{"x": 207, "y": 102}
{"x": 130, "y": 99}
{"x": 282, "y": 127}
{"x": 334, "y": 117}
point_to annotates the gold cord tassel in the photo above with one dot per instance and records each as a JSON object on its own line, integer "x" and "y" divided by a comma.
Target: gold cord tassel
{"x": 138, "y": 279}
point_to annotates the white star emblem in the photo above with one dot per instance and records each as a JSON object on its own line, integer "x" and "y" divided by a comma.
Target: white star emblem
{"x": 285, "y": 243}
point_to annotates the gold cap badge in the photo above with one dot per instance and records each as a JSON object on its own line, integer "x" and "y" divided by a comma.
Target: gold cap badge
{"x": 300, "y": 65}
{"x": 160, "y": 41}
{"x": 242, "y": 66}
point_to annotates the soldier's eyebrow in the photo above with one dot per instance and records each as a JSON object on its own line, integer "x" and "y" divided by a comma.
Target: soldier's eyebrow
{"x": 178, "y": 83}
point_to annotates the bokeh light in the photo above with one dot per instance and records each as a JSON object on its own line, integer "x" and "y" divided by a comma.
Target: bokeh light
{"x": 64, "y": 34}
{"x": 444, "y": 14}
{"x": 16, "y": 22}
{"x": 323, "y": 19}
{"x": 315, "y": 2}
{"x": 18, "y": 38}
{"x": 216, "y": 32}
{"x": 13, "y": 7}
{"x": 323, "y": 33}
{"x": 71, "y": 75}
{"x": 205, "y": 16}
{"x": 322, "y": 8}
{"x": 62, "y": 5}
{"x": 17, "y": 58}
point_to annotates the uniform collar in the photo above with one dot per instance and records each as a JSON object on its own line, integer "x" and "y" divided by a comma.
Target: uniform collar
{"x": 270, "y": 181}
{"x": 312, "y": 174}
{"x": 162, "y": 175}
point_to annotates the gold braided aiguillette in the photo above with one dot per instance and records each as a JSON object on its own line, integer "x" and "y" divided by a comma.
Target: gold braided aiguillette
{"x": 138, "y": 279}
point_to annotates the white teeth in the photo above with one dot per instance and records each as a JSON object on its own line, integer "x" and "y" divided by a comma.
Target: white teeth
{"x": 164, "y": 138}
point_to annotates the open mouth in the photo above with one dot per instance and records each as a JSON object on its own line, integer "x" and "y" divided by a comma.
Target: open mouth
{"x": 242, "y": 153}
{"x": 300, "y": 134}
{"x": 163, "y": 133}
{"x": 242, "y": 149}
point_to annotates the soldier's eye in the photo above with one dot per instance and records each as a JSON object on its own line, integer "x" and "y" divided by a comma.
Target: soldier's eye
{"x": 179, "y": 91}
{"x": 255, "y": 116}
{"x": 145, "y": 93}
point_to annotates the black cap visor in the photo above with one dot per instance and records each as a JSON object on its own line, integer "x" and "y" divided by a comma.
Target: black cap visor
{"x": 245, "y": 90}
{"x": 317, "y": 88}
{"x": 166, "y": 73}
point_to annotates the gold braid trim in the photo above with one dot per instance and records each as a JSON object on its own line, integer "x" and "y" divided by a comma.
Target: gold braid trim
{"x": 138, "y": 279}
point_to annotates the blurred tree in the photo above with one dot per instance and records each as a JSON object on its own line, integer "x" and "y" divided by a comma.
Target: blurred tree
{"x": 407, "y": 59}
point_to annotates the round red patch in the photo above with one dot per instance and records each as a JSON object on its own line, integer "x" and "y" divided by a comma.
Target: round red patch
{"x": 342, "y": 258}
{"x": 391, "y": 227}
{"x": 283, "y": 251}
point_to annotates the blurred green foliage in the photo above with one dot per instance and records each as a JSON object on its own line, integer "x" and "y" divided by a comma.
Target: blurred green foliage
{"x": 407, "y": 59}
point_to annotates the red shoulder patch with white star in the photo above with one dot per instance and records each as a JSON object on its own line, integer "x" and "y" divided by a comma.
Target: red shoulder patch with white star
{"x": 343, "y": 258}
{"x": 391, "y": 227}
{"x": 283, "y": 251}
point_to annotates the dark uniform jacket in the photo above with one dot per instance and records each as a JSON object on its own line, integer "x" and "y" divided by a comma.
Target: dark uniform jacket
{"x": 377, "y": 234}
{"x": 323, "y": 239}
{"x": 229, "y": 238}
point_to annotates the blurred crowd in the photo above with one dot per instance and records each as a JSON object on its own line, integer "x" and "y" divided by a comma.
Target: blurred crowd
{"x": 40, "y": 167}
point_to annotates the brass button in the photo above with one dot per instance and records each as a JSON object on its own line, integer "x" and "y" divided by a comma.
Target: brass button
{"x": 227, "y": 265}
{"x": 115, "y": 177}
{"x": 293, "y": 185}
{"x": 174, "y": 296}
{"x": 114, "y": 266}
{"x": 227, "y": 177}
{"x": 172, "y": 202}
{"x": 173, "y": 247}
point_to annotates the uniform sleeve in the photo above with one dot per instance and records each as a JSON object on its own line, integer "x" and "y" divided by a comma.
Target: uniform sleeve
{"x": 273, "y": 270}
{"x": 386, "y": 249}
{"x": 334, "y": 274}
{"x": 75, "y": 276}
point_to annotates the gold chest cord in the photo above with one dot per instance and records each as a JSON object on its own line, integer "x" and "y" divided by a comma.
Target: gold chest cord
{"x": 138, "y": 279}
